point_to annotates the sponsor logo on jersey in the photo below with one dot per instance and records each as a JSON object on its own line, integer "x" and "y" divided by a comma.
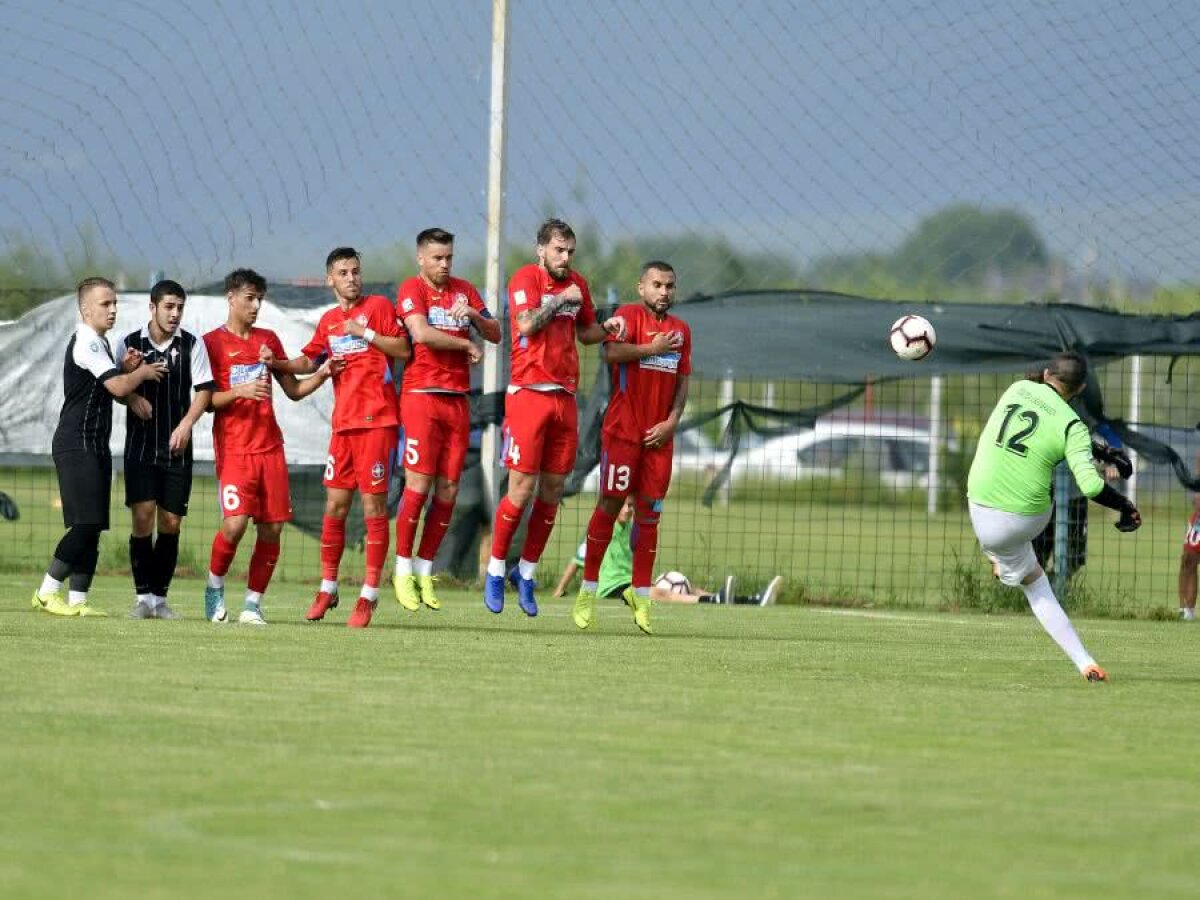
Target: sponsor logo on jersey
{"x": 519, "y": 298}
{"x": 439, "y": 317}
{"x": 663, "y": 362}
{"x": 407, "y": 305}
{"x": 345, "y": 344}
{"x": 245, "y": 372}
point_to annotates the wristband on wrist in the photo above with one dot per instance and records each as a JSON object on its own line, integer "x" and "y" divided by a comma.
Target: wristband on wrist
{"x": 369, "y": 335}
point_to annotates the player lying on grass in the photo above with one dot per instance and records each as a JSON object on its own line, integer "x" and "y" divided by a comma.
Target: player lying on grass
{"x": 1031, "y": 430}
{"x": 616, "y": 573}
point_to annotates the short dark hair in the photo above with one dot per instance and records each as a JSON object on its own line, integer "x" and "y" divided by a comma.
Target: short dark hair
{"x": 553, "y": 228}
{"x": 337, "y": 254}
{"x": 91, "y": 282}
{"x": 658, "y": 265}
{"x": 434, "y": 236}
{"x": 167, "y": 288}
{"x": 240, "y": 278}
{"x": 1070, "y": 368}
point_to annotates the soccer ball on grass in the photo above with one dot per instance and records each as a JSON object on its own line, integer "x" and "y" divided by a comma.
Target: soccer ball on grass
{"x": 675, "y": 582}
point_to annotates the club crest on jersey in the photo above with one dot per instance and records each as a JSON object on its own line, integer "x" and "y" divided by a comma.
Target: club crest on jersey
{"x": 361, "y": 319}
{"x": 378, "y": 471}
{"x": 94, "y": 346}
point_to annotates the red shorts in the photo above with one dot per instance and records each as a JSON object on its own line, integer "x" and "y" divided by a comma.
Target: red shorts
{"x": 255, "y": 485}
{"x": 437, "y": 430}
{"x": 1191, "y": 540}
{"x": 361, "y": 458}
{"x": 541, "y": 431}
{"x": 630, "y": 468}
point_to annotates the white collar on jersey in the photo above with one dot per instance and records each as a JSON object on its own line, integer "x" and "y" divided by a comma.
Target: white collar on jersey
{"x": 145, "y": 332}
{"x": 89, "y": 333}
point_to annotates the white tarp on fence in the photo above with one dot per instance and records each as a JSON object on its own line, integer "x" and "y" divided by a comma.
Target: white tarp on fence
{"x": 31, "y": 373}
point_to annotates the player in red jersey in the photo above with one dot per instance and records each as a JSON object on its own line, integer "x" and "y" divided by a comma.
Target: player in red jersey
{"x": 549, "y": 307}
{"x": 649, "y": 370}
{"x": 252, "y": 475}
{"x": 362, "y": 336}
{"x": 439, "y": 311}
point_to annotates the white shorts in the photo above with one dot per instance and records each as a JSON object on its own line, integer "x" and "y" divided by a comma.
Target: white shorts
{"x": 1007, "y": 540}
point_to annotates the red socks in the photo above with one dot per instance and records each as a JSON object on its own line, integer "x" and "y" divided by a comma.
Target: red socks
{"x": 262, "y": 566}
{"x": 437, "y": 522}
{"x": 407, "y": 519}
{"x": 333, "y": 542}
{"x": 599, "y": 536}
{"x": 645, "y": 548}
{"x": 377, "y": 549}
{"x": 222, "y": 555}
{"x": 541, "y": 523}
{"x": 508, "y": 519}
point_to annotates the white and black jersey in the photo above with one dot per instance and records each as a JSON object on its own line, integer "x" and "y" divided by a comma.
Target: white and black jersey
{"x": 85, "y": 423}
{"x": 148, "y": 440}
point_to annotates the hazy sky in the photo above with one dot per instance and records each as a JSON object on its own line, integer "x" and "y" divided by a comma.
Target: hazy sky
{"x": 197, "y": 136}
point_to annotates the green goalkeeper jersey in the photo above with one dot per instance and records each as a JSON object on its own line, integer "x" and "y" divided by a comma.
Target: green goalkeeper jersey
{"x": 617, "y": 569}
{"x": 1031, "y": 430}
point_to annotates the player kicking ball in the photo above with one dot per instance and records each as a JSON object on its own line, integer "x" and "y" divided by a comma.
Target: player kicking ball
{"x": 649, "y": 370}
{"x": 1032, "y": 430}
{"x": 361, "y": 336}
{"x": 252, "y": 475}
{"x": 439, "y": 312}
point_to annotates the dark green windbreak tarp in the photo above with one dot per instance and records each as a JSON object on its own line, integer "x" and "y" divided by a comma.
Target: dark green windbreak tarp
{"x": 842, "y": 339}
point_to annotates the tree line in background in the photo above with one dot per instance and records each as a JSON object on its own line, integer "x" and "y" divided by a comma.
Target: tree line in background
{"x": 961, "y": 252}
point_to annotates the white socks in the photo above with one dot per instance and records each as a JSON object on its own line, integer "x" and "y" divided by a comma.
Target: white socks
{"x": 404, "y": 565}
{"x": 527, "y": 569}
{"x": 495, "y": 567}
{"x": 1044, "y": 605}
{"x": 216, "y": 581}
{"x": 1187, "y": 613}
{"x": 50, "y": 585}
{"x": 328, "y": 587}
{"x": 590, "y": 586}
{"x": 422, "y": 566}
{"x": 77, "y": 598}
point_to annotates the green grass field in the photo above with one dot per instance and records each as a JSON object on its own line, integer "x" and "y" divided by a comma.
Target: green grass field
{"x": 830, "y": 548}
{"x": 740, "y": 752}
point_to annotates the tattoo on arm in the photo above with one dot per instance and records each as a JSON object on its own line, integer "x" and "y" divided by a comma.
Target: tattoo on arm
{"x": 536, "y": 319}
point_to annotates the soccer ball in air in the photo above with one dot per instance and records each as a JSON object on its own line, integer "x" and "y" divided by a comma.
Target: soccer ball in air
{"x": 675, "y": 582}
{"x": 912, "y": 337}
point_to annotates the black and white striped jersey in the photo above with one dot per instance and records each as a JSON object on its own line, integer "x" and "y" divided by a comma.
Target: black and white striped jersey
{"x": 188, "y": 370}
{"x": 85, "y": 422}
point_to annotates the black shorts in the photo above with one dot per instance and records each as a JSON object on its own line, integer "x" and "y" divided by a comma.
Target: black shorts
{"x": 85, "y": 487}
{"x": 618, "y": 590}
{"x": 170, "y": 488}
